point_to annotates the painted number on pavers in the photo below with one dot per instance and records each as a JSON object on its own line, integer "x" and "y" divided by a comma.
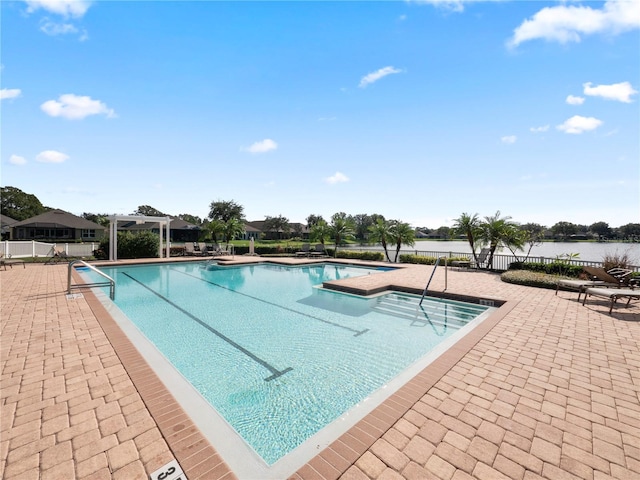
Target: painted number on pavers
{"x": 171, "y": 471}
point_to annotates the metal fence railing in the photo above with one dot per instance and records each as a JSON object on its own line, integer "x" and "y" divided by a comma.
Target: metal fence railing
{"x": 501, "y": 262}
{"x": 32, "y": 249}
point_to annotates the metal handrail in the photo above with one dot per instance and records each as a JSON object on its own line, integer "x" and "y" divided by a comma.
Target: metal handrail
{"x": 110, "y": 281}
{"x": 424, "y": 292}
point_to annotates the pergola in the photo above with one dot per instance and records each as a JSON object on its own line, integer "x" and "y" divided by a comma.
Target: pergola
{"x": 139, "y": 219}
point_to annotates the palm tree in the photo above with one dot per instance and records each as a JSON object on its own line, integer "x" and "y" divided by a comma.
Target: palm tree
{"x": 468, "y": 226}
{"x": 232, "y": 228}
{"x": 215, "y": 228}
{"x": 380, "y": 232}
{"x": 495, "y": 232}
{"x": 402, "y": 233}
{"x": 341, "y": 228}
{"x": 320, "y": 232}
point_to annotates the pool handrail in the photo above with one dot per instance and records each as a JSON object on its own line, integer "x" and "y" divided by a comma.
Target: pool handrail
{"x": 424, "y": 292}
{"x": 110, "y": 281}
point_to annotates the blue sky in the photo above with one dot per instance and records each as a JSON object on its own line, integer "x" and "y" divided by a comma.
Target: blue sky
{"x": 416, "y": 110}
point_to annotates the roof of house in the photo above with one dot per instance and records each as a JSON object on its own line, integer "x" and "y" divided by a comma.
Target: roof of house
{"x": 7, "y": 221}
{"x": 59, "y": 219}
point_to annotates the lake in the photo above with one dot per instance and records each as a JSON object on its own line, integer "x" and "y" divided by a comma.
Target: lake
{"x": 587, "y": 251}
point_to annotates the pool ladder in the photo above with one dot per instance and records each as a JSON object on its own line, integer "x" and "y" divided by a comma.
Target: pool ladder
{"x": 110, "y": 282}
{"x": 424, "y": 292}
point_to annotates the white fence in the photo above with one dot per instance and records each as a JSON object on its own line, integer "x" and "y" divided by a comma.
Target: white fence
{"x": 32, "y": 249}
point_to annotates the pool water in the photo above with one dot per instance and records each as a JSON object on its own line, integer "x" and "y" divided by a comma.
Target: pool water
{"x": 276, "y": 356}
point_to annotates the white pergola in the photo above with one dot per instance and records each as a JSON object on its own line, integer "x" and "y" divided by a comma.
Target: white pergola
{"x": 139, "y": 219}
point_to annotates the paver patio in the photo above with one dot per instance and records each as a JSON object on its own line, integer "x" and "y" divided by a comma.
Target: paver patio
{"x": 545, "y": 388}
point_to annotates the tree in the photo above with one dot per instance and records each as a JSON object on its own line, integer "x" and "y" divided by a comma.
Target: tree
{"x": 191, "y": 219}
{"x": 402, "y": 233}
{"x": 232, "y": 228}
{"x": 226, "y": 210}
{"x": 630, "y": 231}
{"x": 533, "y": 234}
{"x": 16, "y": 204}
{"x": 279, "y": 225}
{"x": 99, "y": 218}
{"x": 362, "y": 222}
{"x": 341, "y": 229}
{"x": 600, "y": 229}
{"x": 320, "y": 232}
{"x": 215, "y": 229}
{"x": 496, "y": 231}
{"x": 564, "y": 229}
{"x": 313, "y": 219}
{"x": 149, "y": 211}
{"x": 380, "y": 232}
{"x": 469, "y": 226}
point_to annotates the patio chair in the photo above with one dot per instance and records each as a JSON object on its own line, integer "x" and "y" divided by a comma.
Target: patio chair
{"x": 189, "y": 249}
{"x": 582, "y": 285}
{"x": 58, "y": 255}
{"x": 11, "y": 262}
{"x": 318, "y": 251}
{"x": 204, "y": 251}
{"x": 613, "y": 294}
{"x": 471, "y": 263}
{"x": 217, "y": 251}
{"x": 304, "y": 251}
{"x": 618, "y": 277}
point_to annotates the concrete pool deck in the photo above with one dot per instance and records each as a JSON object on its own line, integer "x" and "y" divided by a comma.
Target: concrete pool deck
{"x": 544, "y": 388}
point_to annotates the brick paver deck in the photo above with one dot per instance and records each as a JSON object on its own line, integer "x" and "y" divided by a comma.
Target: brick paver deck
{"x": 545, "y": 388}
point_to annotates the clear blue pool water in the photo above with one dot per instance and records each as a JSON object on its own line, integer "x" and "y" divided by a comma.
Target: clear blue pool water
{"x": 276, "y": 356}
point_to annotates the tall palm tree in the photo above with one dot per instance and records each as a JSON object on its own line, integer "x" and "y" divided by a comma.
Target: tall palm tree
{"x": 402, "y": 234}
{"x": 341, "y": 229}
{"x": 215, "y": 228}
{"x": 380, "y": 232}
{"x": 469, "y": 226}
{"x": 494, "y": 232}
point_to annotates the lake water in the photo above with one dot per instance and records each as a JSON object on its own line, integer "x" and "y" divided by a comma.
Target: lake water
{"x": 587, "y": 251}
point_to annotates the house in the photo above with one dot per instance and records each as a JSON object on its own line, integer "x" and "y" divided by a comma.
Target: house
{"x": 295, "y": 230}
{"x": 5, "y": 224}
{"x": 57, "y": 226}
{"x": 179, "y": 230}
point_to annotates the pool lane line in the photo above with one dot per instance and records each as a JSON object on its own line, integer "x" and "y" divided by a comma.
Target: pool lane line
{"x": 356, "y": 332}
{"x": 275, "y": 373}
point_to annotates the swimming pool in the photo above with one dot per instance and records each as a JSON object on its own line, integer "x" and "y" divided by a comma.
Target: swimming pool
{"x": 278, "y": 358}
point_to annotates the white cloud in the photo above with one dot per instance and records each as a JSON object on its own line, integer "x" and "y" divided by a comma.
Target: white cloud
{"x": 66, "y": 8}
{"x": 74, "y": 107}
{"x": 509, "y": 139}
{"x": 54, "y": 28}
{"x": 17, "y": 160}
{"x": 377, "y": 75}
{"x": 453, "y": 5}
{"x": 621, "y": 92}
{"x": 10, "y": 93}
{"x": 566, "y": 24}
{"x": 262, "y": 146}
{"x": 337, "y": 177}
{"x": 543, "y": 128}
{"x": 51, "y": 156}
{"x": 573, "y": 100}
{"x": 578, "y": 124}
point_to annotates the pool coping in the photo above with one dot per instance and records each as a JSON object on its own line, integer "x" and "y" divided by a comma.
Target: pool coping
{"x": 199, "y": 459}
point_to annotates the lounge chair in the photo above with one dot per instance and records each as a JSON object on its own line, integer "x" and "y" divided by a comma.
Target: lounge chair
{"x": 613, "y": 294}
{"x": 319, "y": 251}
{"x": 11, "y": 262}
{"x": 471, "y": 263}
{"x": 189, "y": 249}
{"x": 204, "y": 251}
{"x": 217, "y": 251}
{"x": 58, "y": 255}
{"x": 582, "y": 285}
{"x": 617, "y": 276}
{"x": 304, "y": 251}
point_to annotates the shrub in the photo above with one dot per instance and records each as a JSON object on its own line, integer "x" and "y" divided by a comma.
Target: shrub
{"x": 530, "y": 278}
{"x": 616, "y": 260}
{"x": 130, "y": 245}
{"x": 553, "y": 268}
{"x": 372, "y": 256}
{"x": 411, "y": 258}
